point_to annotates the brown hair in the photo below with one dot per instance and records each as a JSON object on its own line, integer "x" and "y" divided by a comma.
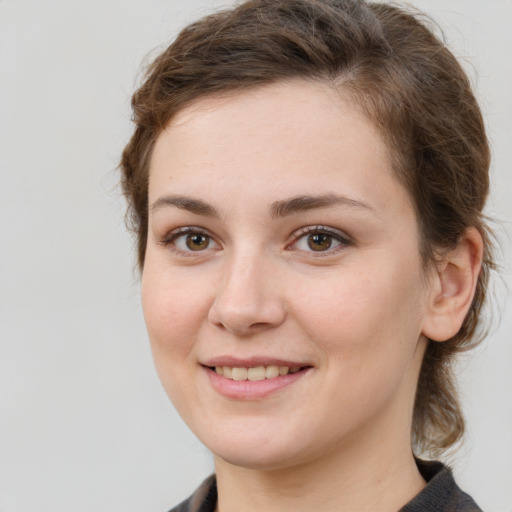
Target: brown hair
{"x": 400, "y": 76}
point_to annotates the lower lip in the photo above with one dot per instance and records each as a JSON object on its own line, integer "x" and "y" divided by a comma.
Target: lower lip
{"x": 252, "y": 390}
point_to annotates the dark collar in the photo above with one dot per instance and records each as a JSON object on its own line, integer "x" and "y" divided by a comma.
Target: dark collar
{"x": 441, "y": 494}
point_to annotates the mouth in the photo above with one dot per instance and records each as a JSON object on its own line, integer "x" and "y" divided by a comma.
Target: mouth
{"x": 253, "y": 380}
{"x": 255, "y": 373}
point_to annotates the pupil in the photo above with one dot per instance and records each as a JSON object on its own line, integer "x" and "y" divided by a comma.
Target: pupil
{"x": 196, "y": 242}
{"x": 319, "y": 241}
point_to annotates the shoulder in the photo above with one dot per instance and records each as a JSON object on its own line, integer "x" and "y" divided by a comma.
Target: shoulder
{"x": 204, "y": 498}
{"x": 441, "y": 492}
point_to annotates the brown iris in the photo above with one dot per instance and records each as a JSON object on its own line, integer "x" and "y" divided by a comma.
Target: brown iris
{"x": 319, "y": 241}
{"x": 197, "y": 241}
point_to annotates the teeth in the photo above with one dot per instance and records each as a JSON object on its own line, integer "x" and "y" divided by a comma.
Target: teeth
{"x": 271, "y": 371}
{"x": 239, "y": 373}
{"x": 255, "y": 373}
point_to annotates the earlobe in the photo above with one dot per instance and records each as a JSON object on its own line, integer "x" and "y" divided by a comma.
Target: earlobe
{"x": 452, "y": 287}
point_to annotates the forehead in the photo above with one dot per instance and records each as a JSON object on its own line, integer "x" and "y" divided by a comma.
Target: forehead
{"x": 286, "y": 137}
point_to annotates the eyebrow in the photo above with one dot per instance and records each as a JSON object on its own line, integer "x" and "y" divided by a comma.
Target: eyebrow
{"x": 186, "y": 203}
{"x": 277, "y": 209}
{"x": 304, "y": 203}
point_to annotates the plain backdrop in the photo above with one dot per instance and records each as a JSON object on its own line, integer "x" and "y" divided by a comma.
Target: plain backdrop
{"x": 84, "y": 423}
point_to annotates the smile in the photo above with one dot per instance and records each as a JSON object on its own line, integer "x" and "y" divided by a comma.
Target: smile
{"x": 255, "y": 373}
{"x": 252, "y": 380}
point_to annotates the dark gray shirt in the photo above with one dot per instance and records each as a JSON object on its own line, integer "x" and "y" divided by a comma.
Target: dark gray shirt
{"x": 441, "y": 494}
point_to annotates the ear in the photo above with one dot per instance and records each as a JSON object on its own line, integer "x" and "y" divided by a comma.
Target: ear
{"x": 452, "y": 287}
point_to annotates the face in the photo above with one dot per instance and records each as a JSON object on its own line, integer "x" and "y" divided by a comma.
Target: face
{"x": 283, "y": 289}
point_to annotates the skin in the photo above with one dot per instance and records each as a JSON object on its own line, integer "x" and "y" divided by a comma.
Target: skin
{"x": 355, "y": 313}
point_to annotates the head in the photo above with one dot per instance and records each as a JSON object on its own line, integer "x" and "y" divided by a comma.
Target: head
{"x": 390, "y": 68}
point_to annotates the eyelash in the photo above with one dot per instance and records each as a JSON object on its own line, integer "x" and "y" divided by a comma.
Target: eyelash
{"x": 338, "y": 236}
{"x": 343, "y": 240}
{"x": 170, "y": 239}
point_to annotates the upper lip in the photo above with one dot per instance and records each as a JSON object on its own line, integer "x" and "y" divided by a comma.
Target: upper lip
{"x": 250, "y": 362}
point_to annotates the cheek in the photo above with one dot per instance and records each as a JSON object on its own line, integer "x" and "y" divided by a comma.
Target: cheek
{"x": 368, "y": 331}
{"x": 363, "y": 316}
{"x": 174, "y": 310}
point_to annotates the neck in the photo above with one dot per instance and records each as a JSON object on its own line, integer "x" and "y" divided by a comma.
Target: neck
{"x": 383, "y": 482}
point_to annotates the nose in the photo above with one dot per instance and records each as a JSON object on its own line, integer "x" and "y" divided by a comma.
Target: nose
{"x": 248, "y": 300}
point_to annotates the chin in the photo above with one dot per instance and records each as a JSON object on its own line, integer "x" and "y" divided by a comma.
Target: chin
{"x": 264, "y": 452}
{"x": 261, "y": 460}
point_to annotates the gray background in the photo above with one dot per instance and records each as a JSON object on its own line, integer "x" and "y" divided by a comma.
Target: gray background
{"x": 84, "y": 423}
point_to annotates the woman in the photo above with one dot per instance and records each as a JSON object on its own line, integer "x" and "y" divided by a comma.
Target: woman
{"x": 306, "y": 180}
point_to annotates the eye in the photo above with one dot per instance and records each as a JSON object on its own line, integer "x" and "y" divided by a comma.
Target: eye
{"x": 192, "y": 241}
{"x": 189, "y": 239}
{"x": 320, "y": 239}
